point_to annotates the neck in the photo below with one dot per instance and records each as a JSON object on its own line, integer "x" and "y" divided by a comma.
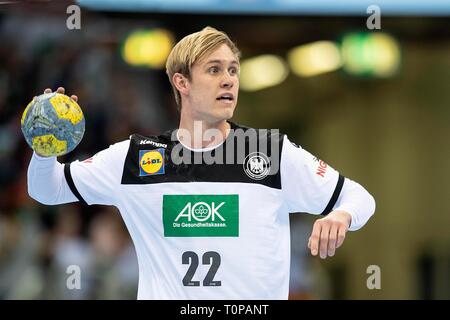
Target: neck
{"x": 200, "y": 133}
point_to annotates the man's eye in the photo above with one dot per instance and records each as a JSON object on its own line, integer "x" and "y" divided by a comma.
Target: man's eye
{"x": 213, "y": 70}
{"x": 233, "y": 71}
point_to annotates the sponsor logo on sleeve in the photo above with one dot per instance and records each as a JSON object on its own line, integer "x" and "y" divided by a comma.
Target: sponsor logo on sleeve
{"x": 321, "y": 169}
{"x": 88, "y": 160}
{"x": 151, "y": 162}
{"x": 201, "y": 215}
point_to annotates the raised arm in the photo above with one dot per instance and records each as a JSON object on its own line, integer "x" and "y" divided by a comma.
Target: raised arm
{"x": 46, "y": 181}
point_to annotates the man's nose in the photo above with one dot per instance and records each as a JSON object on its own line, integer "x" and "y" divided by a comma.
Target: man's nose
{"x": 227, "y": 81}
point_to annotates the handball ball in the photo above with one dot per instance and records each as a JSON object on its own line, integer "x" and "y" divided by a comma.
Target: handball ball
{"x": 53, "y": 124}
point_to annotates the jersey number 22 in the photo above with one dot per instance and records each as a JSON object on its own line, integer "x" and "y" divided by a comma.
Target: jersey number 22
{"x": 209, "y": 257}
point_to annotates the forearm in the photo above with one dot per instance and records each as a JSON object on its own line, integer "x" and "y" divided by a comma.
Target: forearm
{"x": 46, "y": 181}
{"x": 355, "y": 200}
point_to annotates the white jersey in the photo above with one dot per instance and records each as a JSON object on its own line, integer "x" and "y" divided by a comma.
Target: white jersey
{"x": 209, "y": 231}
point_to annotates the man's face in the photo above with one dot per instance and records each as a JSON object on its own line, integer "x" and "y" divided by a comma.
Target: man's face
{"x": 214, "y": 85}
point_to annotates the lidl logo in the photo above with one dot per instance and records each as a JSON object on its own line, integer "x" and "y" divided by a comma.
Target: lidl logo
{"x": 201, "y": 215}
{"x": 151, "y": 162}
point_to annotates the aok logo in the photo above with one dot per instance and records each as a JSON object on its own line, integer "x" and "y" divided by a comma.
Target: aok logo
{"x": 201, "y": 215}
{"x": 201, "y": 211}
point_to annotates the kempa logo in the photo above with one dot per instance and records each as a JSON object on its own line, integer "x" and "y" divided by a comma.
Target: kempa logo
{"x": 153, "y": 143}
{"x": 201, "y": 215}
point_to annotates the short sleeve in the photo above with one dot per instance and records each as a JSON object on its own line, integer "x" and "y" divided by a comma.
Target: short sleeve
{"x": 96, "y": 179}
{"x": 308, "y": 183}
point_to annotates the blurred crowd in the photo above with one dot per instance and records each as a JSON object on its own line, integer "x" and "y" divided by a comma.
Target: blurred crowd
{"x": 39, "y": 245}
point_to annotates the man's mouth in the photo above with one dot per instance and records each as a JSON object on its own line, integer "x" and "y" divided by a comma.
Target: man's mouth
{"x": 226, "y": 97}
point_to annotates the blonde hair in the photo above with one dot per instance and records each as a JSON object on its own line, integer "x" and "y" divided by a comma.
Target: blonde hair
{"x": 192, "y": 48}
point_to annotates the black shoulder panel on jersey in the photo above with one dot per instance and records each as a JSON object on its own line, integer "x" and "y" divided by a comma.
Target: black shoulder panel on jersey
{"x": 335, "y": 196}
{"x": 71, "y": 184}
{"x": 248, "y": 155}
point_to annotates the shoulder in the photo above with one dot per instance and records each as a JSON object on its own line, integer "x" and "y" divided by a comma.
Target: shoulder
{"x": 115, "y": 152}
{"x": 142, "y": 143}
{"x": 260, "y": 134}
{"x": 159, "y": 141}
{"x": 120, "y": 146}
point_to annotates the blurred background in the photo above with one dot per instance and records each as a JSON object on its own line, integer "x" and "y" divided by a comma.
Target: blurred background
{"x": 374, "y": 104}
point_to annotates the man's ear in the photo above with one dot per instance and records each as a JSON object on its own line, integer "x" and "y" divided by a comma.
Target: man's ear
{"x": 181, "y": 83}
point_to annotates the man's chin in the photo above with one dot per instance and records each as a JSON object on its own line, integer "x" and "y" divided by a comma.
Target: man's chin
{"x": 219, "y": 114}
{"x": 223, "y": 116}
{"x": 228, "y": 114}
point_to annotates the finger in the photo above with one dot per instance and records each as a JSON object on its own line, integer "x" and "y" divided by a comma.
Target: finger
{"x": 61, "y": 90}
{"x": 314, "y": 239}
{"x": 332, "y": 240}
{"x": 48, "y": 90}
{"x": 341, "y": 236}
{"x": 324, "y": 234}
{"x": 74, "y": 97}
